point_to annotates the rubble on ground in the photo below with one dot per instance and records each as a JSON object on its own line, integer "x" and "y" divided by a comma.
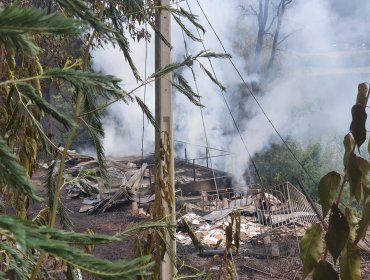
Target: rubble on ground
{"x": 261, "y": 210}
{"x": 82, "y": 179}
{"x": 257, "y": 219}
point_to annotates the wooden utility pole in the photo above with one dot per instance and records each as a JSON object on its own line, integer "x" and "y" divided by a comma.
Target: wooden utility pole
{"x": 164, "y": 120}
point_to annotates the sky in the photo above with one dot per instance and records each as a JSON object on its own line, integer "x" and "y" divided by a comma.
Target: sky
{"x": 321, "y": 62}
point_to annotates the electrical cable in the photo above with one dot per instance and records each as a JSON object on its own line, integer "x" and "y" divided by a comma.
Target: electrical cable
{"x": 255, "y": 99}
{"x": 207, "y": 146}
{"x": 196, "y": 145}
{"x": 234, "y": 121}
{"x": 229, "y": 109}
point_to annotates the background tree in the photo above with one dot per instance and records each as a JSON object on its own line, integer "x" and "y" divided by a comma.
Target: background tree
{"x": 269, "y": 15}
{"x": 276, "y": 164}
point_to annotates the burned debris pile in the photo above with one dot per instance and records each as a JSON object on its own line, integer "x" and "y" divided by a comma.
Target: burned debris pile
{"x": 263, "y": 212}
{"x": 272, "y": 219}
{"x": 127, "y": 182}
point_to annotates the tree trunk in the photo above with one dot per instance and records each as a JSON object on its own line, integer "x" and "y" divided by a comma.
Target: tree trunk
{"x": 275, "y": 41}
{"x": 262, "y": 17}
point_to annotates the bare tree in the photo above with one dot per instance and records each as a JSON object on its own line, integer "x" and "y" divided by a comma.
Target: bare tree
{"x": 269, "y": 15}
{"x": 279, "y": 15}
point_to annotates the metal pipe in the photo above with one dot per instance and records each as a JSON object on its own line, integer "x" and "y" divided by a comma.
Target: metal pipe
{"x": 194, "y": 169}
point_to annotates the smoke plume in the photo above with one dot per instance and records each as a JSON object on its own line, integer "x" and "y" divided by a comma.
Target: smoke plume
{"x": 323, "y": 58}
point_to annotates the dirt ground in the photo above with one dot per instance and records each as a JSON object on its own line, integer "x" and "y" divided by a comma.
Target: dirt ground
{"x": 249, "y": 265}
{"x": 114, "y": 221}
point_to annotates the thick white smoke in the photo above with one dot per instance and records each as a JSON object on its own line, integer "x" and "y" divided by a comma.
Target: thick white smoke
{"x": 123, "y": 123}
{"x": 322, "y": 62}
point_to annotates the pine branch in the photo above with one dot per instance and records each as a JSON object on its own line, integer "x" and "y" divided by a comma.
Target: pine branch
{"x": 58, "y": 243}
{"x": 146, "y": 111}
{"x": 208, "y": 54}
{"x": 19, "y": 263}
{"x": 182, "y": 86}
{"x": 172, "y": 67}
{"x": 15, "y": 22}
{"x": 95, "y": 128}
{"x": 121, "y": 39}
{"x": 29, "y": 91}
{"x": 104, "y": 85}
{"x": 64, "y": 218}
{"x": 83, "y": 11}
{"x": 188, "y": 61}
{"x": 161, "y": 224}
{"x": 209, "y": 74}
{"x": 12, "y": 174}
{"x": 192, "y": 18}
{"x": 159, "y": 34}
{"x": 187, "y": 31}
{"x": 19, "y": 42}
{"x": 49, "y": 184}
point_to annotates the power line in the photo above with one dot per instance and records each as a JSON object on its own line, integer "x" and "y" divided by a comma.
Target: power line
{"x": 229, "y": 109}
{"x": 207, "y": 144}
{"x": 255, "y": 99}
{"x": 201, "y": 146}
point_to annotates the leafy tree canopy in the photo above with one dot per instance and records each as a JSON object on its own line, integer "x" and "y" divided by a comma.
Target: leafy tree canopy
{"x": 276, "y": 164}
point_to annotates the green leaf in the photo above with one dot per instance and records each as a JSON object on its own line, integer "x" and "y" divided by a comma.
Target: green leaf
{"x": 350, "y": 263}
{"x": 365, "y": 169}
{"x": 327, "y": 190}
{"x": 364, "y": 222}
{"x": 358, "y": 169}
{"x": 311, "y": 248}
{"x": 358, "y": 123}
{"x": 324, "y": 271}
{"x": 94, "y": 127}
{"x": 338, "y": 232}
{"x": 349, "y": 144}
{"x": 188, "y": 60}
{"x": 20, "y": 264}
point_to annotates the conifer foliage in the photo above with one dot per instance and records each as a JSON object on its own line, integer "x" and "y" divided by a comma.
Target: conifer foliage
{"x": 28, "y": 37}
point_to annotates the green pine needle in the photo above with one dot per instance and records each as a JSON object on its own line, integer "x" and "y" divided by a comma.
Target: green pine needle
{"x": 187, "y": 31}
{"x": 29, "y": 91}
{"x": 183, "y": 87}
{"x": 213, "y": 79}
{"x": 146, "y": 111}
{"x": 12, "y": 174}
{"x": 16, "y": 22}
{"x": 59, "y": 244}
{"x": 115, "y": 33}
